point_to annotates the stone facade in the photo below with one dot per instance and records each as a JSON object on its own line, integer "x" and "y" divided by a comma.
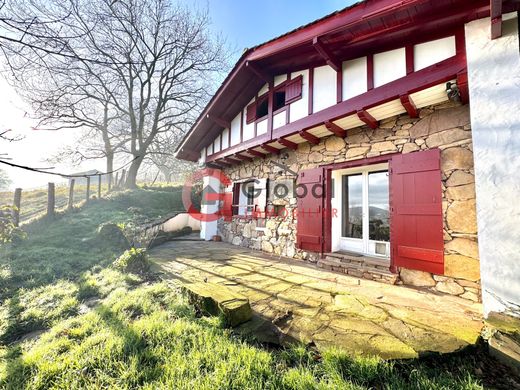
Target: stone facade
{"x": 445, "y": 126}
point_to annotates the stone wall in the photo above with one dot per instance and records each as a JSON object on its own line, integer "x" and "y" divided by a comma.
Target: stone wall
{"x": 445, "y": 126}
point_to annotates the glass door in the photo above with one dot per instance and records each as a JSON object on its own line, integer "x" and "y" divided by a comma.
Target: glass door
{"x": 378, "y": 214}
{"x": 363, "y": 210}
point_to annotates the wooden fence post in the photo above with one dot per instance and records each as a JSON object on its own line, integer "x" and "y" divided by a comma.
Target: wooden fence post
{"x": 17, "y": 202}
{"x": 109, "y": 182}
{"x": 51, "y": 200}
{"x": 116, "y": 181}
{"x": 99, "y": 187}
{"x": 71, "y": 194}
{"x": 88, "y": 189}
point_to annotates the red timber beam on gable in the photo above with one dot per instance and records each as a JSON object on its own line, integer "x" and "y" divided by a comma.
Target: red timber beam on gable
{"x": 219, "y": 121}
{"x": 288, "y": 144}
{"x": 409, "y": 105}
{"x": 309, "y": 137}
{"x": 368, "y": 119}
{"x": 334, "y": 128}
{"x": 270, "y": 149}
{"x": 256, "y": 153}
{"x": 495, "y": 10}
{"x": 258, "y": 72}
{"x": 326, "y": 54}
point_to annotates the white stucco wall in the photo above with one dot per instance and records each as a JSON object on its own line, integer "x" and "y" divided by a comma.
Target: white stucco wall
{"x": 354, "y": 77}
{"x": 235, "y": 130}
{"x": 429, "y": 53}
{"x": 389, "y": 66}
{"x": 324, "y": 89}
{"x": 494, "y": 83}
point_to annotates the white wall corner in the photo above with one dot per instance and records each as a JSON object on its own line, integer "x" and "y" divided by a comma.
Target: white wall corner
{"x": 494, "y": 88}
{"x": 209, "y": 228}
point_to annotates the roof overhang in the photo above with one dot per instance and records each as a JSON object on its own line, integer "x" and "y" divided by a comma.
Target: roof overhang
{"x": 368, "y": 27}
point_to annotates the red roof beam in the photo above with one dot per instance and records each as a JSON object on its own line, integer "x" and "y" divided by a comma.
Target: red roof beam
{"x": 462, "y": 83}
{"x": 256, "y": 153}
{"x": 326, "y": 54}
{"x": 495, "y": 9}
{"x": 368, "y": 119}
{"x": 230, "y": 161}
{"x": 270, "y": 149}
{"x": 337, "y": 130}
{"x": 288, "y": 144}
{"x": 309, "y": 137}
{"x": 409, "y": 105}
{"x": 219, "y": 121}
{"x": 243, "y": 158}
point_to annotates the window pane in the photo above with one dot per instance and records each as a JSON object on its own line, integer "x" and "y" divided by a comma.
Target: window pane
{"x": 378, "y": 215}
{"x": 352, "y": 225}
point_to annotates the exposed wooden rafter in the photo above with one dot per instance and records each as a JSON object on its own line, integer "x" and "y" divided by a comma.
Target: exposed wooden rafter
{"x": 368, "y": 119}
{"x": 256, "y": 153}
{"x": 223, "y": 163}
{"x": 334, "y": 128}
{"x": 409, "y": 105}
{"x": 326, "y": 54}
{"x": 270, "y": 149}
{"x": 496, "y": 18}
{"x": 258, "y": 72}
{"x": 243, "y": 158}
{"x": 288, "y": 144}
{"x": 219, "y": 121}
{"x": 231, "y": 161}
{"x": 309, "y": 137}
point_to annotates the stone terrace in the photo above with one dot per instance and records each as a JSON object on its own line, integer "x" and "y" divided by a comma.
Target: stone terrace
{"x": 294, "y": 300}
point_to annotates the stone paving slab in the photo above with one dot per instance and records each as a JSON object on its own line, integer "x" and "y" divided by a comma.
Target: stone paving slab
{"x": 309, "y": 304}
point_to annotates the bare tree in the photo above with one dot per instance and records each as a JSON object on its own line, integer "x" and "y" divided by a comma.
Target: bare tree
{"x": 161, "y": 157}
{"x": 152, "y": 60}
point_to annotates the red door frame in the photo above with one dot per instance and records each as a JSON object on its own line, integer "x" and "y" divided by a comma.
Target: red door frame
{"x": 327, "y": 231}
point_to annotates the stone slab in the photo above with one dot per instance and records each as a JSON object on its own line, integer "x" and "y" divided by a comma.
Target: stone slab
{"x": 216, "y": 299}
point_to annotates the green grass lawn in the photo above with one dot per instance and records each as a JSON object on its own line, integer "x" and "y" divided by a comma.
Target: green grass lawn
{"x": 109, "y": 329}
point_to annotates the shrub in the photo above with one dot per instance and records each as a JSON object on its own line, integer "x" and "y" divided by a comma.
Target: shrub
{"x": 134, "y": 260}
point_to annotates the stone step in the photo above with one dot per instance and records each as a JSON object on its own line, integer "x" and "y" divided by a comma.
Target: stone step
{"x": 355, "y": 265}
{"x": 215, "y": 299}
{"x": 360, "y": 259}
{"x": 360, "y": 268}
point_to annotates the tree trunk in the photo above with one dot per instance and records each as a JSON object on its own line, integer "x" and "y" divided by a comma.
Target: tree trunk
{"x": 110, "y": 167}
{"x": 131, "y": 177}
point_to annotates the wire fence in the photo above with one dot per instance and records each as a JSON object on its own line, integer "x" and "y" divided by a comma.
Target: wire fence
{"x": 36, "y": 202}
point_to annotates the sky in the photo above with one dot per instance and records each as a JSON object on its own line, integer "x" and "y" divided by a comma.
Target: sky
{"x": 244, "y": 24}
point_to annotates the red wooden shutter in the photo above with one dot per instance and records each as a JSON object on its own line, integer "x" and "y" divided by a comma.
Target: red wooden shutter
{"x": 251, "y": 113}
{"x": 293, "y": 89}
{"x": 310, "y": 191}
{"x": 416, "y": 211}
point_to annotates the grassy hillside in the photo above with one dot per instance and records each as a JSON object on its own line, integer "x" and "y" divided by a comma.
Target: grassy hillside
{"x": 102, "y": 328}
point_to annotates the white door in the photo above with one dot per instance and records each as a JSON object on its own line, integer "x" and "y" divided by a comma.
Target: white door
{"x": 361, "y": 212}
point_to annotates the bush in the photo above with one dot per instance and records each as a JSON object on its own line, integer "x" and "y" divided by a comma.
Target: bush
{"x": 134, "y": 260}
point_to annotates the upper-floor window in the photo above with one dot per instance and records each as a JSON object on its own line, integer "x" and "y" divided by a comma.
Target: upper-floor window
{"x": 283, "y": 95}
